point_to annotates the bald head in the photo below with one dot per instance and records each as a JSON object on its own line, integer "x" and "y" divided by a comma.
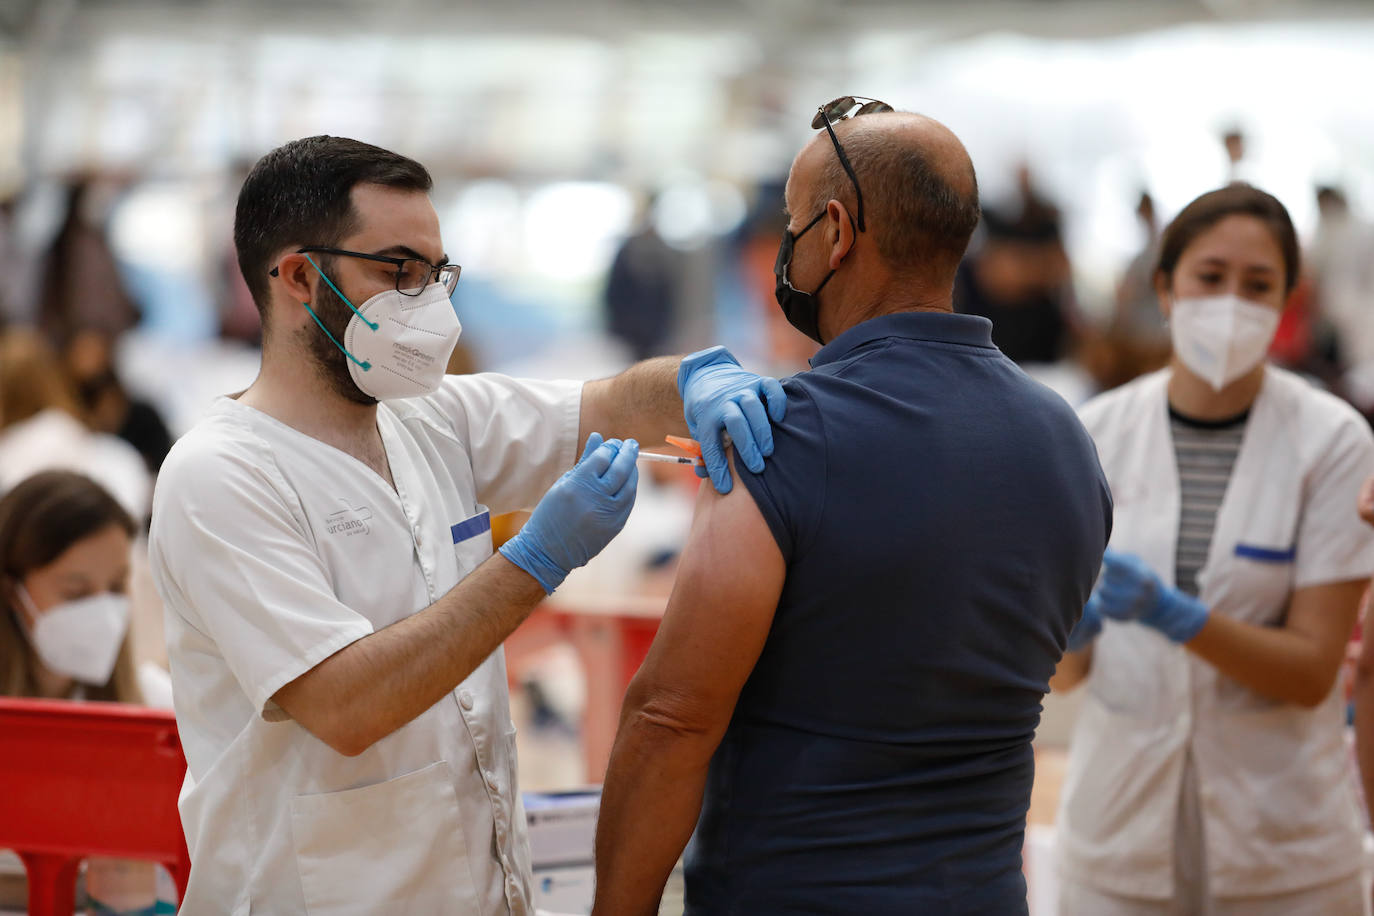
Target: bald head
{"x": 919, "y": 188}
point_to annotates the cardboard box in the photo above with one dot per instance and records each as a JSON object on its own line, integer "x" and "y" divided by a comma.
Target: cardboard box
{"x": 562, "y": 826}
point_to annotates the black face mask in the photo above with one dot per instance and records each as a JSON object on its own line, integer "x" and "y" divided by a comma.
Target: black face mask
{"x": 802, "y": 310}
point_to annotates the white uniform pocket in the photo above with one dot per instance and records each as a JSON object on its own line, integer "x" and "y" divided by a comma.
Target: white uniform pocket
{"x": 378, "y": 848}
{"x": 472, "y": 541}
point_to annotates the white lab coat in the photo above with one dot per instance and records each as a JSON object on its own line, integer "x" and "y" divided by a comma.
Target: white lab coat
{"x": 272, "y": 551}
{"x": 1278, "y": 809}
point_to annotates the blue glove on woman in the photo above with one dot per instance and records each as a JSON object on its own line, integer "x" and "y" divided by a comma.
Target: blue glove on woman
{"x": 580, "y": 514}
{"x": 1129, "y": 590}
{"x": 720, "y": 397}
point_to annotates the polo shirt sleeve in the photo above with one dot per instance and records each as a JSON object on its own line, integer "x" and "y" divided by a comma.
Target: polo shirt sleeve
{"x": 790, "y": 491}
{"x": 233, "y": 557}
{"x": 1334, "y": 544}
{"x": 521, "y": 434}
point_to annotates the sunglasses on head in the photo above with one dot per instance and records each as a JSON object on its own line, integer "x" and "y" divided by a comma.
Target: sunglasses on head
{"x": 841, "y": 109}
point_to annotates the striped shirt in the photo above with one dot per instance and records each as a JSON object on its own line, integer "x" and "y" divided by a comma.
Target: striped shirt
{"x": 1205, "y": 451}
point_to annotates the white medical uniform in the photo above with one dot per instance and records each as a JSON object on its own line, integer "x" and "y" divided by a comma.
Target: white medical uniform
{"x": 1273, "y": 784}
{"x": 272, "y": 551}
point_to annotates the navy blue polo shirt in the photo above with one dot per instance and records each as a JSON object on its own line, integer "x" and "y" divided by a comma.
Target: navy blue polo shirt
{"x": 942, "y": 517}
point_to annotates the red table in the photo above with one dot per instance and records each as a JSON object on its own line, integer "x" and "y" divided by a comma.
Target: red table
{"x": 611, "y": 635}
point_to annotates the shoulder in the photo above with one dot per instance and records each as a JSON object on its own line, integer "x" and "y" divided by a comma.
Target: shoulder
{"x": 1315, "y": 406}
{"x": 1124, "y": 401}
{"x": 803, "y": 425}
{"x": 221, "y": 451}
{"x": 790, "y": 489}
{"x": 1322, "y": 426}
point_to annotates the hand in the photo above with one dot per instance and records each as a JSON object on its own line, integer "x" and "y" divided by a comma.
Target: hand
{"x": 1366, "y": 501}
{"x": 1088, "y": 626}
{"x": 720, "y": 397}
{"x": 580, "y": 514}
{"x": 1129, "y": 590}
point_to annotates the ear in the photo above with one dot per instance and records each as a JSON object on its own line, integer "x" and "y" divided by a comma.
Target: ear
{"x": 842, "y": 223}
{"x": 1162, "y": 293}
{"x": 295, "y": 278}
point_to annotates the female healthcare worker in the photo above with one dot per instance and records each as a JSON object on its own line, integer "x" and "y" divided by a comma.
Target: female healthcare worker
{"x": 1207, "y": 773}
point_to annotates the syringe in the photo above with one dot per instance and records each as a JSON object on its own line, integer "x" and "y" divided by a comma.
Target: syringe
{"x": 671, "y": 459}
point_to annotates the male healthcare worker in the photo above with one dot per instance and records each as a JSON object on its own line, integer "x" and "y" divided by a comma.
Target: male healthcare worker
{"x": 322, "y": 543}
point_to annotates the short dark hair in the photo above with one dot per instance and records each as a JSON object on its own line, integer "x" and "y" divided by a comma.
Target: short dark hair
{"x": 913, "y": 212}
{"x": 1236, "y": 199}
{"x": 300, "y": 194}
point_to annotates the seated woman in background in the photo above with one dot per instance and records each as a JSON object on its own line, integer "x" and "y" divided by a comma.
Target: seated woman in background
{"x": 64, "y": 616}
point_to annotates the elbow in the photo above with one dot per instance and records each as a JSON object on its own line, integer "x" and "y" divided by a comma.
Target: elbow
{"x": 343, "y": 735}
{"x": 659, "y": 716}
{"x": 1310, "y": 699}
{"x": 349, "y": 745}
{"x": 1311, "y": 692}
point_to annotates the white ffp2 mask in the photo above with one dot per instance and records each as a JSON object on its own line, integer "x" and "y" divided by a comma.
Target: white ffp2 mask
{"x": 80, "y": 639}
{"x": 398, "y": 346}
{"x": 401, "y": 344}
{"x": 1220, "y": 338}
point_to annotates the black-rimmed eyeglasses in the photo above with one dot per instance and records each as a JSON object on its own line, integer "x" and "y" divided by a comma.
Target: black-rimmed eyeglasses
{"x": 835, "y": 111}
{"x": 412, "y": 274}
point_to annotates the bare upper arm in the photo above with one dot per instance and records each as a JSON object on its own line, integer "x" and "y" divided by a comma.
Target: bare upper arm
{"x": 718, "y": 616}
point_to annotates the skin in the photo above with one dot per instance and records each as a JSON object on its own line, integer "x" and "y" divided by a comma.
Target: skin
{"x": 679, "y": 704}
{"x": 379, "y": 683}
{"x": 1296, "y": 662}
{"x": 94, "y": 565}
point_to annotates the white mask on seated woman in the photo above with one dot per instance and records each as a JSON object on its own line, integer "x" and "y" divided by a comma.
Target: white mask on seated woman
{"x": 1220, "y": 338}
{"x": 79, "y": 639}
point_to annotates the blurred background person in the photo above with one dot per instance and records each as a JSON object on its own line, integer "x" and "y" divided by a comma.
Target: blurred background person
{"x": 1208, "y": 770}
{"x": 642, "y": 289}
{"x": 1341, "y": 264}
{"x": 1019, "y": 277}
{"x": 1136, "y": 339}
{"x": 109, "y": 408}
{"x": 64, "y": 630}
{"x": 41, "y": 426}
{"x": 81, "y": 283}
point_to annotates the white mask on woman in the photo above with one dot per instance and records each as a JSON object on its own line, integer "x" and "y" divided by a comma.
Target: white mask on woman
{"x": 80, "y": 639}
{"x": 1220, "y": 338}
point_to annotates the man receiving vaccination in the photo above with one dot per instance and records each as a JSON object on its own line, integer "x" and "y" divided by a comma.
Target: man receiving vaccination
{"x": 854, "y": 735}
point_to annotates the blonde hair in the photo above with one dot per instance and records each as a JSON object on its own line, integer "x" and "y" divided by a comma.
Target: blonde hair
{"x": 31, "y": 378}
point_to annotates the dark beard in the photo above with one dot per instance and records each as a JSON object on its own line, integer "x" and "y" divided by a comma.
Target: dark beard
{"x": 331, "y": 363}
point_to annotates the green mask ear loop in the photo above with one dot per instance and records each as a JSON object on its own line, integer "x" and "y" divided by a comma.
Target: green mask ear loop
{"x": 340, "y": 294}
{"x": 361, "y": 365}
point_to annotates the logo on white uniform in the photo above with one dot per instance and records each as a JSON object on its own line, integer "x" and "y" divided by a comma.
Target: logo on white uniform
{"x": 348, "y": 521}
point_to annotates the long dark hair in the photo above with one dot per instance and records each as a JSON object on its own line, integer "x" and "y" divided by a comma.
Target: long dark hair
{"x": 1237, "y": 199}
{"x": 39, "y": 519}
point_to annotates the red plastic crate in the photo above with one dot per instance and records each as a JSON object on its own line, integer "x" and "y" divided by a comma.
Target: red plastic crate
{"x": 88, "y": 779}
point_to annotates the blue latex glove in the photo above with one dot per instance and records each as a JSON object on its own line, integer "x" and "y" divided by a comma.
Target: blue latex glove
{"x": 580, "y": 514}
{"x": 1129, "y": 590}
{"x": 1088, "y": 626}
{"x": 720, "y": 397}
